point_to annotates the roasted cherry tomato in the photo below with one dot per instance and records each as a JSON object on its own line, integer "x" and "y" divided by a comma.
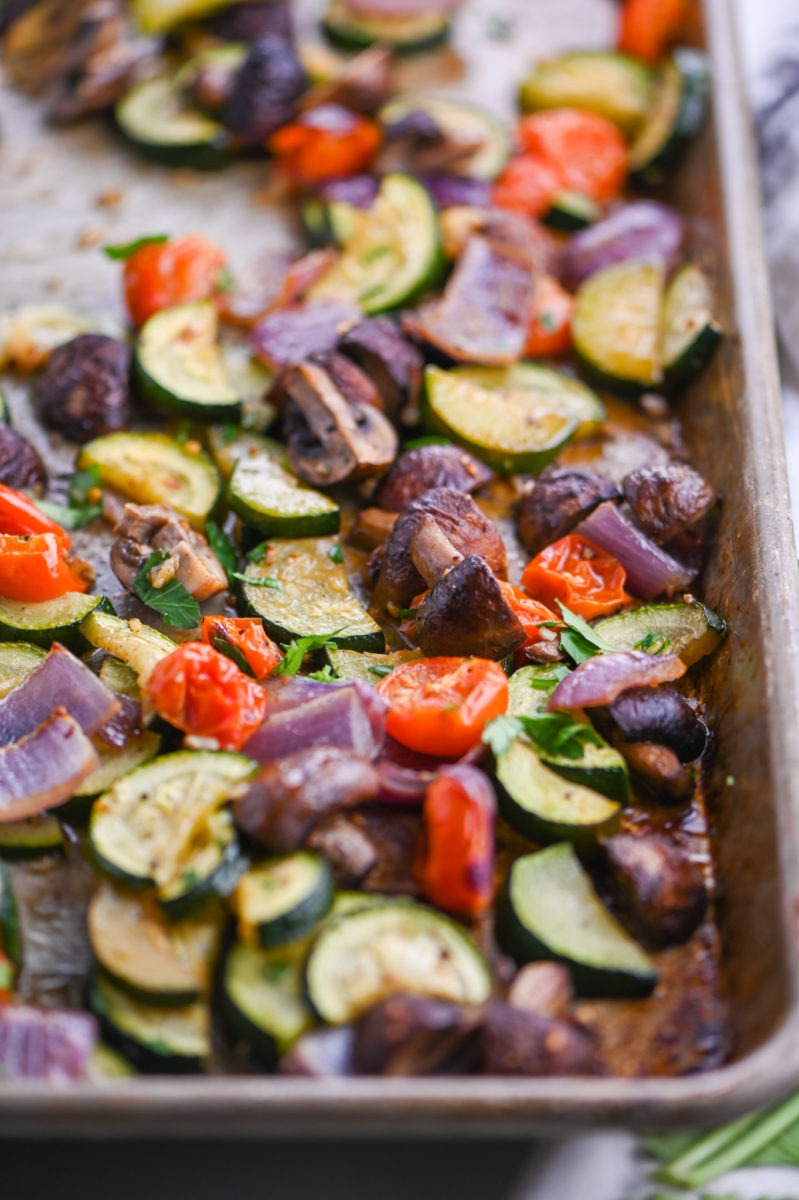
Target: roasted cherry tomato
{"x": 649, "y": 27}
{"x": 530, "y": 612}
{"x": 441, "y": 705}
{"x": 6, "y": 977}
{"x": 245, "y": 637}
{"x": 586, "y": 151}
{"x": 20, "y": 515}
{"x": 529, "y": 184}
{"x": 202, "y": 692}
{"x": 326, "y": 142}
{"x": 455, "y": 862}
{"x": 550, "y": 331}
{"x": 36, "y": 567}
{"x": 161, "y": 274}
{"x": 580, "y": 575}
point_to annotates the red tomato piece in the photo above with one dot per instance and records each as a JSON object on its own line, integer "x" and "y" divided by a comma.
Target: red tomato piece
{"x": 162, "y": 274}
{"x": 36, "y": 567}
{"x": 649, "y": 27}
{"x": 441, "y": 705}
{"x": 455, "y": 862}
{"x": 325, "y": 143}
{"x": 530, "y": 612}
{"x": 247, "y": 636}
{"x": 581, "y": 575}
{"x": 529, "y": 184}
{"x": 587, "y": 152}
{"x": 550, "y": 330}
{"x": 204, "y": 693}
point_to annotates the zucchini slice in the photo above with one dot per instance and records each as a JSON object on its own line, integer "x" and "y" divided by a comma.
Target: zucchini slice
{"x": 393, "y": 946}
{"x": 263, "y": 997}
{"x": 511, "y": 430}
{"x": 120, "y": 678}
{"x": 17, "y": 660}
{"x": 153, "y": 1038}
{"x": 546, "y": 807}
{"x": 159, "y": 16}
{"x": 546, "y": 388}
{"x": 309, "y": 595}
{"x": 157, "y": 121}
{"x": 43, "y": 622}
{"x": 689, "y": 630}
{"x": 27, "y": 839}
{"x": 690, "y": 334}
{"x": 403, "y": 34}
{"x": 616, "y": 325}
{"x": 394, "y": 253}
{"x": 462, "y": 122}
{"x": 165, "y": 826}
{"x": 356, "y": 664}
{"x": 226, "y": 56}
{"x": 227, "y": 444}
{"x": 135, "y": 644}
{"x": 268, "y": 497}
{"x": 157, "y": 961}
{"x": 614, "y": 85}
{"x": 108, "y": 1064}
{"x": 677, "y": 116}
{"x": 251, "y": 380}
{"x": 10, "y": 932}
{"x": 571, "y": 211}
{"x": 551, "y": 911}
{"x": 282, "y": 899}
{"x": 151, "y": 468}
{"x": 117, "y": 761}
{"x": 178, "y": 368}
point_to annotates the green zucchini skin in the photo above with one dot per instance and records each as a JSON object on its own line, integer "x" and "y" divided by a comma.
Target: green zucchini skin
{"x": 572, "y": 211}
{"x": 282, "y": 899}
{"x": 31, "y": 838}
{"x": 691, "y": 628}
{"x": 271, "y": 500}
{"x": 614, "y": 85}
{"x": 533, "y": 924}
{"x": 690, "y": 333}
{"x": 208, "y": 148}
{"x": 347, "y": 31}
{"x": 10, "y": 933}
{"x": 42, "y": 622}
{"x": 122, "y": 1019}
{"x": 166, "y": 383}
{"x": 17, "y": 660}
{"x": 262, "y": 999}
{"x": 677, "y": 117}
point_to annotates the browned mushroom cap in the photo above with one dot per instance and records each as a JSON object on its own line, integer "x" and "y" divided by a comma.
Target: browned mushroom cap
{"x": 657, "y": 887}
{"x": 658, "y": 767}
{"x": 467, "y": 613}
{"x": 469, "y": 530}
{"x": 350, "y": 380}
{"x": 394, "y": 364}
{"x": 371, "y": 528}
{"x": 20, "y": 464}
{"x": 667, "y": 499}
{"x": 331, "y": 437}
{"x": 416, "y": 1035}
{"x": 363, "y": 83}
{"x": 517, "y": 1042}
{"x": 558, "y": 500}
{"x": 425, "y": 467}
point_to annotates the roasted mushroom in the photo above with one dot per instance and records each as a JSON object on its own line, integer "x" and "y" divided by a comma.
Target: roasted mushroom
{"x": 363, "y": 84}
{"x": 332, "y": 436}
{"x": 290, "y": 796}
{"x": 432, "y": 466}
{"x": 461, "y": 521}
{"x": 466, "y": 612}
{"x": 83, "y": 391}
{"x": 371, "y": 528}
{"x": 266, "y": 91}
{"x": 146, "y": 528}
{"x": 392, "y": 362}
{"x": 348, "y": 848}
{"x": 250, "y": 22}
{"x": 415, "y": 1035}
{"x": 20, "y": 464}
{"x": 658, "y": 767}
{"x": 659, "y": 714}
{"x": 656, "y": 886}
{"x": 518, "y": 1042}
{"x": 557, "y": 501}
{"x": 544, "y": 988}
{"x": 667, "y": 499}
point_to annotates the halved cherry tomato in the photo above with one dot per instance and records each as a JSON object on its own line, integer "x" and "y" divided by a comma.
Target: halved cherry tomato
{"x": 588, "y": 152}
{"x": 326, "y": 142}
{"x": 247, "y": 636}
{"x": 161, "y": 274}
{"x": 649, "y": 27}
{"x": 36, "y": 567}
{"x": 6, "y": 977}
{"x": 20, "y": 515}
{"x": 529, "y": 184}
{"x": 202, "y": 692}
{"x": 455, "y": 861}
{"x": 549, "y": 332}
{"x": 580, "y": 575}
{"x": 530, "y": 612}
{"x": 441, "y": 705}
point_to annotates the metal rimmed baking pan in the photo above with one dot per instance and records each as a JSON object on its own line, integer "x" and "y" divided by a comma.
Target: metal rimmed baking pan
{"x": 48, "y": 214}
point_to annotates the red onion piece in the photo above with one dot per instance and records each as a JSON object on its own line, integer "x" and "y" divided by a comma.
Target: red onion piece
{"x": 403, "y": 785}
{"x": 124, "y": 723}
{"x": 598, "y": 681}
{"x": 61, "y": 679}
{"x": 644, "y": 229}
{"x": 44, "y": 768}
{"x": 47, "y": 1044}
{"x": 358, "y": 190}
{"x": 339, "y": 717}
{"x": 650, "y": 570}
{"x": 290, "y": 335}
{"x": 451, "y": 190}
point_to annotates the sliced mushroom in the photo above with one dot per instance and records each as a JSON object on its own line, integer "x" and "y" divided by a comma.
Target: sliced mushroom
{"x": 557, "y": 501}
{"x": 371, "y": 528}
{"x": 350, "y": 380}
{"x": 431, "y": 466}
{"x": 348, "y": 848}
{"x": 249, "y": 21}
{"x": 146, "y": 528}
{"x": 667, "y": 499}
{"x": 332, "y": 438}
{"x": 656, "y": 886}
{"x": 466, "y": 612}
{"x": 84, "y": 389}
{"x": 392, "y": 362}
{"x": 461, "y": 521}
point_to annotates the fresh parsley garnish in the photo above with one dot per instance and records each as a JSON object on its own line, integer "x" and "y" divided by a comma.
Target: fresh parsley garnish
{"x": 267, "y": 581}
{"x": 225, "y": 282}
{"x": 500, "y": 734}
{"x": 653, "y": 643}
{"x": 326, "y": 675}
{"x": 555, "y": 734}
{"x": 69, "y": 516}
{"x": 258, "y": 552}
{"x": 296, "y": 650}
{"x": 228, "y": 433}
{"x": 380, "y": 669}
{"x": 578, "y": 639}
{"x": 84, "y": 486}
{"x": 127, "y": 249}
{"x": 550, "y": 681}
{"x": 336, "y": 553}
{"x": 172, "y": 601}
{"x": 428, "y": 439}
{"x": 222, "y": 547}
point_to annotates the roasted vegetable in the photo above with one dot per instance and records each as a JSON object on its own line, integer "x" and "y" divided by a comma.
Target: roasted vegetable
{"x": 265, "y": 91}
{"x": 656, "y": 886}
{"x": 556, "y": 502}
{"x": 83, "y": 390}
